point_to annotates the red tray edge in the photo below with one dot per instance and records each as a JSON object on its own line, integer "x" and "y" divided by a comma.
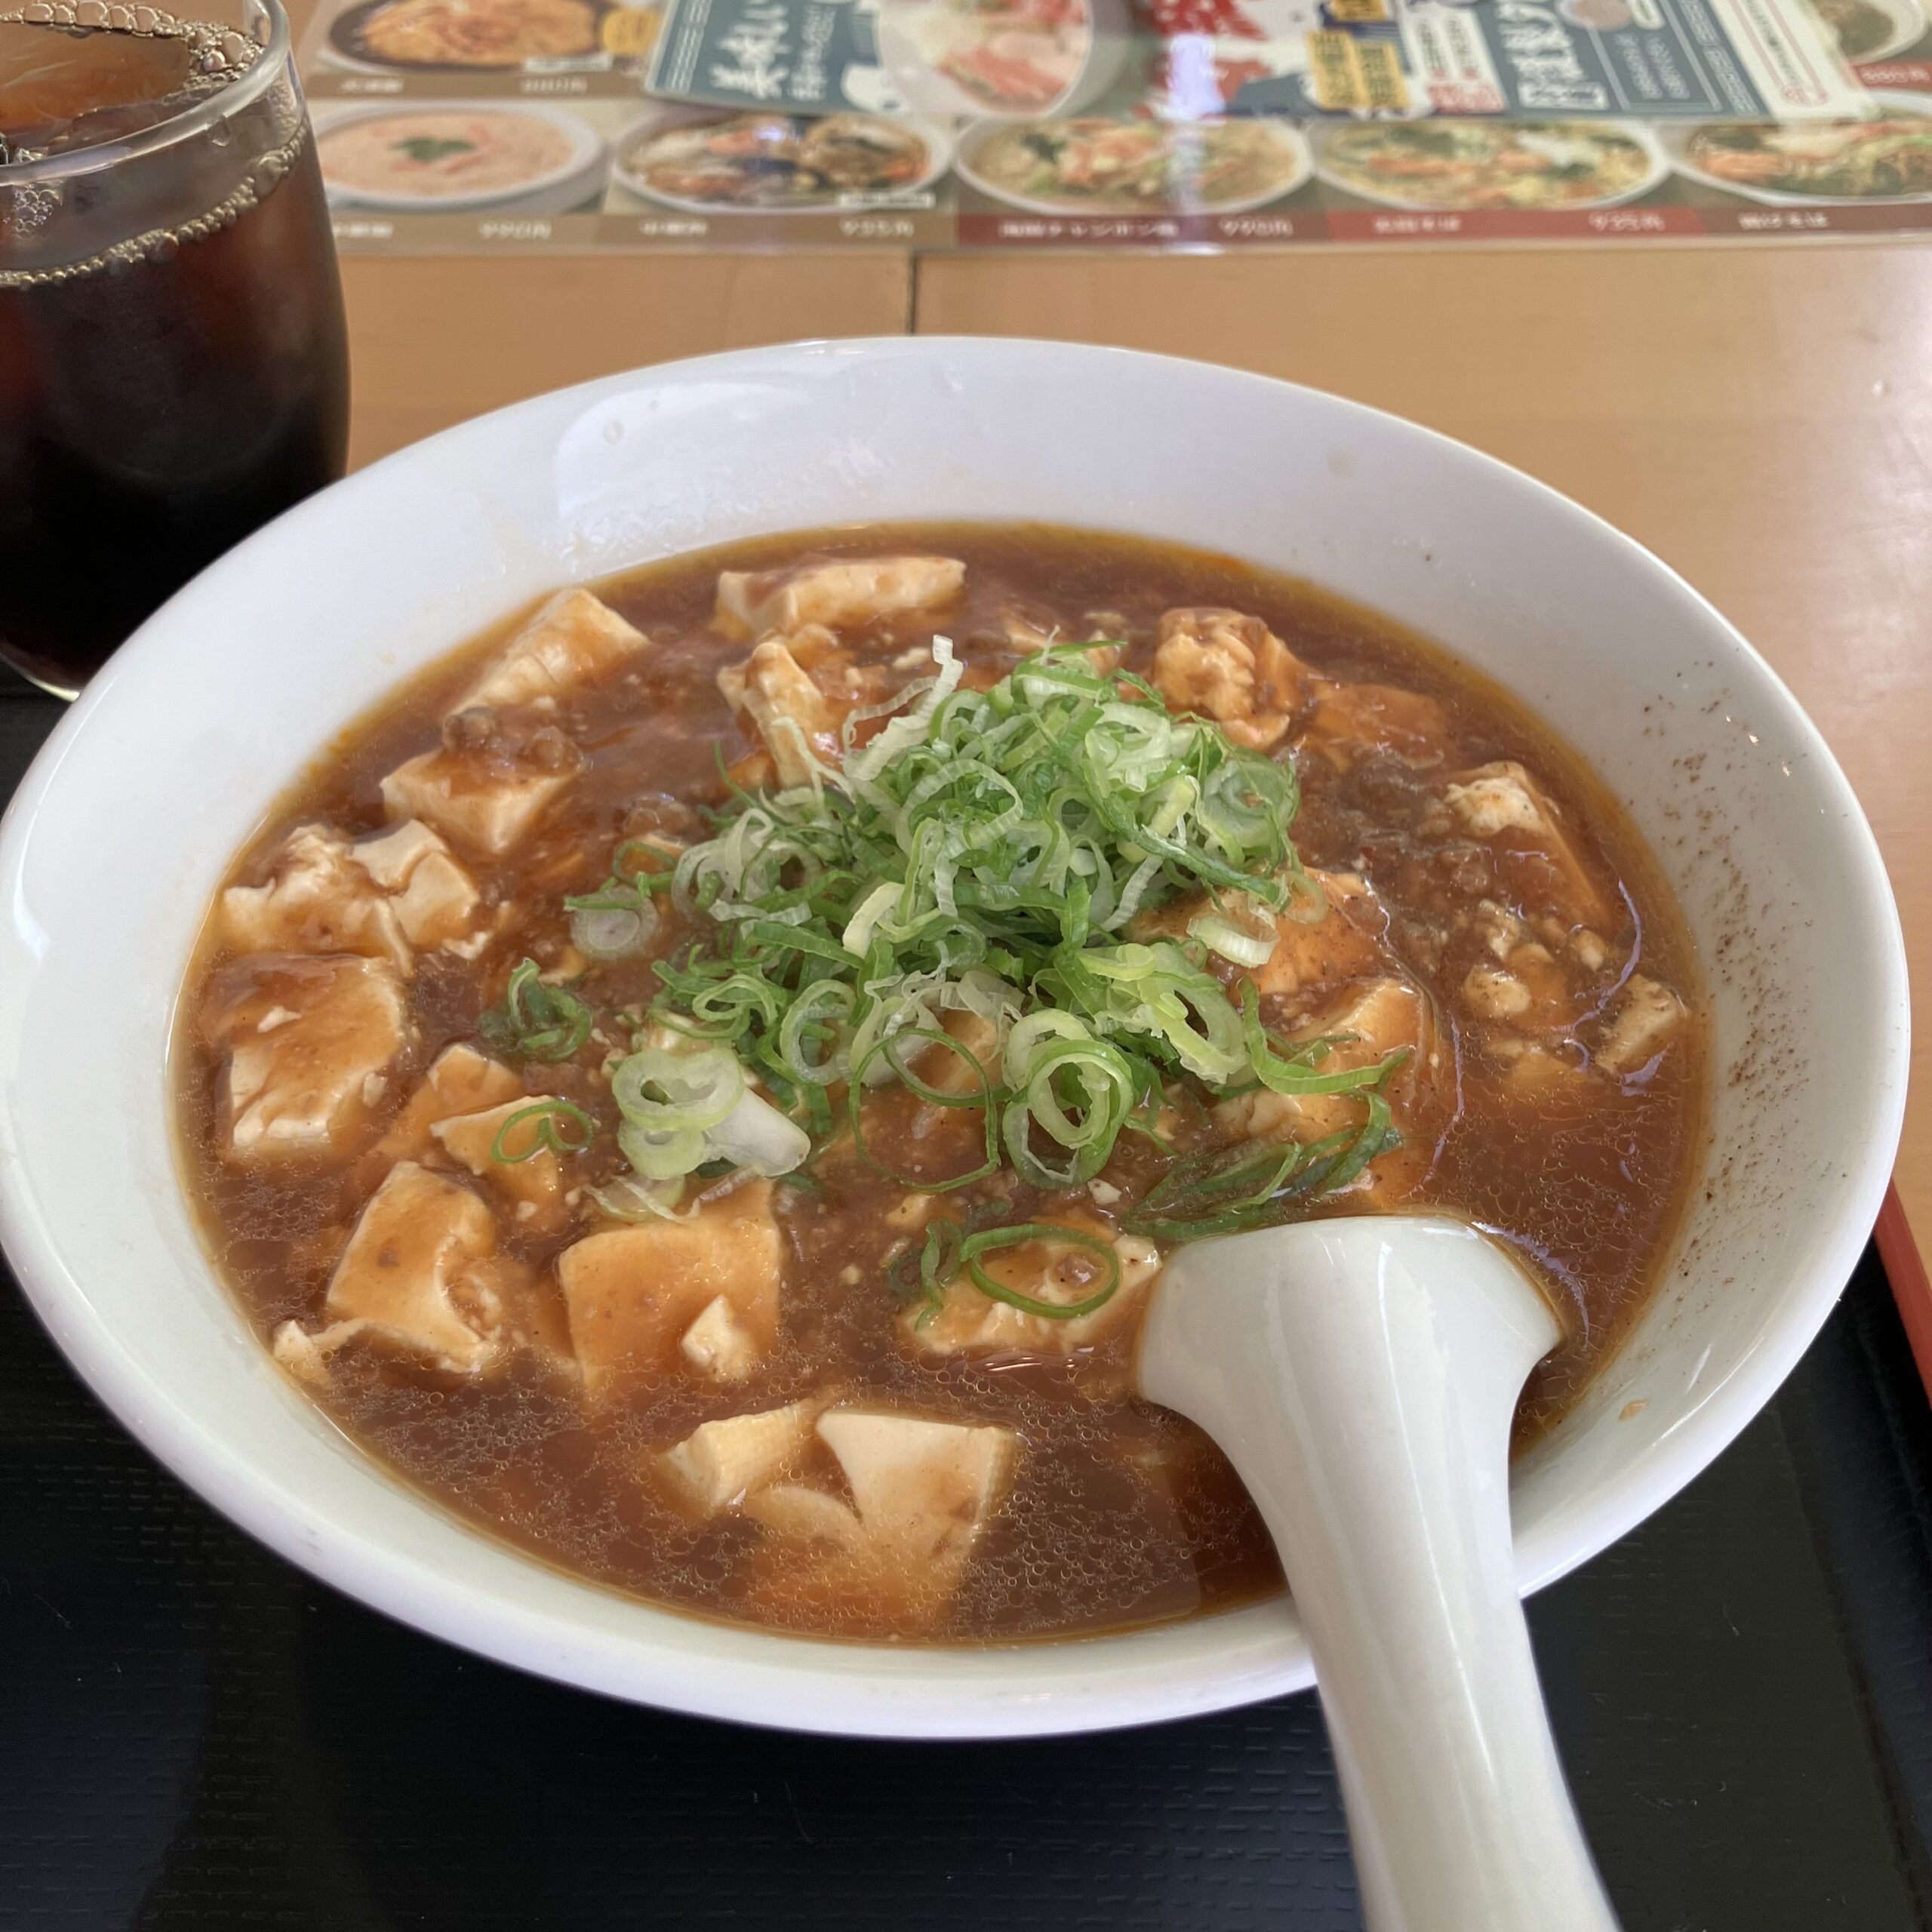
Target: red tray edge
{"x": 1911, "y": 1289}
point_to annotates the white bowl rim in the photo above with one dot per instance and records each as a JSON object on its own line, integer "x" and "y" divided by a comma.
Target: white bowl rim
{"x": 784, "y": 1682}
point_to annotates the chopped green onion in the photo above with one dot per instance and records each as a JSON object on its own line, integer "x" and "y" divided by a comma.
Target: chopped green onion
{"x": 548, "y": 1121}
{"x": 1076, "y": 1090}
{"x": 973, "y": 1246}
{"x": 662, "y": 1153}
{"x": 1223, "y": 930}
{"x": 821, "y": 1016}
{"x": 683, "y": 1109}
{"x": 1293, "y": 1071}
{"x": 664, "y": 1091}
{"x": 536, "y": 1021}
{"x": 984, "y": 852}
{"x": 1237, "y": 1189}
{"x": 756, "y": 1135}
{"x": 631, "y": 1198}
{"x": 891, "y": 1050}
{"x": 613, "y": 932}
{"x": 939, "y": 1262}
{"x": 948, "y": 1248}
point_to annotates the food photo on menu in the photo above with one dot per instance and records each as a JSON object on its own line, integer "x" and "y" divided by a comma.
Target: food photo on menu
{"x": 1028, "y": 124}
{"x": 710, "y": 160}
{"x": 420, "y": 38}
{"x": 444, "y": 157}
{"x": 889, "y": 1130}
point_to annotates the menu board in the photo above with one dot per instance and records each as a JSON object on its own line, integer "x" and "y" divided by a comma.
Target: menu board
{"x": 1680, "y": 59}
{"x": 507, "y": 125}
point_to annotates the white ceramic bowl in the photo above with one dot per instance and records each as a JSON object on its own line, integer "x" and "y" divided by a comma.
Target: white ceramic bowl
{"x": 124, "y": 826}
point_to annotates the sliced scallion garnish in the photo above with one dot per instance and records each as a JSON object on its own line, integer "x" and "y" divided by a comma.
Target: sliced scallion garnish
{"x": 556, "y": 1127}
{"x": 999, "y": 839}
{"x": 1292, "y": 1068}
{"x": 536, "y": 1020}
{"x": 1234, "y": 1190}
{"x": 981, "y": 858}
{"x": 891, "y": 1051}
{"x": 948, "y": 1248}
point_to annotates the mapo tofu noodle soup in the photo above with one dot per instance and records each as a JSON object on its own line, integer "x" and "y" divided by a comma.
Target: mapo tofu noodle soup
{"x": 704, "y": 1081}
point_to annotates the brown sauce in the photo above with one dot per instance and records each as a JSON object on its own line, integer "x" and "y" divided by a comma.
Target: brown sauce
{"x": 1118, "y": 1513}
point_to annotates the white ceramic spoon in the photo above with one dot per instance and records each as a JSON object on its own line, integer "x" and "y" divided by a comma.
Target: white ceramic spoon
{"x": 1361, "y": 1375}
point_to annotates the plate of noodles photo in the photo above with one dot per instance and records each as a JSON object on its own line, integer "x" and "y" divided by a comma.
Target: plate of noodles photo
{"x": 1815, "y": 163}
{"x": 710, "y": 162}
{"x": 486, "y": 36}
{"x": 1464, "y": 165}
{"x": 1123, "y": 166}
{"x": 455, "y": 157}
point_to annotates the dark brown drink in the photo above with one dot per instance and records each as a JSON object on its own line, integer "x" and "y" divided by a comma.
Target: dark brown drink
{"x": 173, "y": 366}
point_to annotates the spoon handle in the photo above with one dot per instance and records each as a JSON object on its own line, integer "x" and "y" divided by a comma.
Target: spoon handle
{"x": 1367, "y": 1407}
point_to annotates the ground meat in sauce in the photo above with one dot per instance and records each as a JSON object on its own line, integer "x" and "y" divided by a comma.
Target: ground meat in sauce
{"x": 1478, "y": 873}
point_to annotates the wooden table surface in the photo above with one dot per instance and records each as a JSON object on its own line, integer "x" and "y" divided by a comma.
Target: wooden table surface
{"x": 1760, "y": 415}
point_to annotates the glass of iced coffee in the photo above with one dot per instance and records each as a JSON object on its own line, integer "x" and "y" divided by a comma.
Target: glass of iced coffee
{"x": 173, "y": 371}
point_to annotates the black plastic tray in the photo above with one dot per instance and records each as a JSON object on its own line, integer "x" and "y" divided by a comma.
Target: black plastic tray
{"x": 195, "y": 1736}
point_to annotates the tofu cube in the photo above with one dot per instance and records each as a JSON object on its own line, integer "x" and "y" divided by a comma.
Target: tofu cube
{"x": 803, "y": 1515}
{"x": 719, "y": 1464}
{"x": 414, "y": 1274}
{"x": 317, "y": 900}
{"x": 1351, "y": 722}
{"x": 971, "y": 1322}
{"x": 462, "y": 1080}
{"x": 382, "y": 897}
{"x": 633, "y": 1292}
{"x": 1503, "y": 805}
{"x": 434, "y": 900}
{"x": 1648, "y": 1018}
{"x": 1230, "y": 668}
{"x": 1346, "y": 944}
{"x": 775, "y": 696}
{"x": 1372, "y": 1019}
{"x": 922, "y": 1491}
{"x": 719, "y": 1345}
{"x": 835, "y": 592}
{"x": 310, "y": 1045}
{"x": 484, "y": 801}
{"x": 574, "y": 638}
{"x": 534, "y": 1186}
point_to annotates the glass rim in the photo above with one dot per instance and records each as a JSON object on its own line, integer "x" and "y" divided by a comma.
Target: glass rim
{"x": 261, "y": 74}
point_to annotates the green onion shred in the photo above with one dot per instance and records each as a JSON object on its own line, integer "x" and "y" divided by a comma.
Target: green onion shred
{"x": 967, "y": 886}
